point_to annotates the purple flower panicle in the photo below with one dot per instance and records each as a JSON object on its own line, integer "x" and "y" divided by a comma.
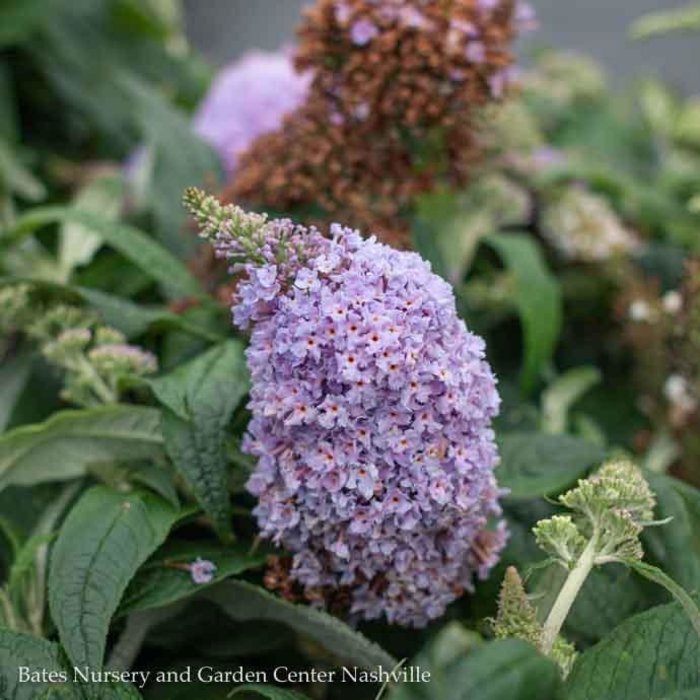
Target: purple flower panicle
{"x": 372, "y": 406}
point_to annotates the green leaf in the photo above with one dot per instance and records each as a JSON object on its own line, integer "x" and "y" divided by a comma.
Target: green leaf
{"x": 158, "y": 583}
{"x": 653, "y": 573}
{"x": 152, "y": 18}
{"x": 426, "y": 243}
{"x": 449, "y": 226}
{"x": 659, "y": 105}
{"x": 503, "y": 670}
{"x": 687, "y": 127}
{"x": 447, "y": 648}
{"x": 180, "y": 160}
{"x": 538, "y": 299}
{"x": 266, "y": 691}
{"x": 105, "y": 539}
{"x": 190, "y": 690}
{"x": 61, "y": 692}
{"x": 80, "y": 691}
{"x": 563, "y": 393}
{"x": 15, "y": 178}
{"x": 78, "y": 243}
{"x": 126, "y": 316}
{"x": 534, "y": 464}
{"x": 135, "y": 319}
{"x": 691, "y": 498}
{"x": 199, "y": 399}
{"x": 9, "y": 127}
{"x": 156, "y": 262}
{"x": 19, "y": 20}
{"x": 156, "y": 477}
{"x": 243, "y": 601}
{"x": 79, "y": 57}
{"x": 675, "y": 546}
{"x": 14, "y": 375}
{"x": 655, "y": 23}
{"x": 114, "y": 691}
{"x": 65, "y": 446}
{"x": 649, "y": 656}
{"x": 24, "y": 650}
{"x": 24, "y": 562}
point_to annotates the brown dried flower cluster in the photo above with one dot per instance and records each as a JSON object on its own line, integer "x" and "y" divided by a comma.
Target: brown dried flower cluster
{"x": 278, "y": 579}
{"x": 391, "y": 112}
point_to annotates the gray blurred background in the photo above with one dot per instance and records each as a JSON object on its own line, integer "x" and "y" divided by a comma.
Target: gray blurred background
{"x": 224, "y": 29}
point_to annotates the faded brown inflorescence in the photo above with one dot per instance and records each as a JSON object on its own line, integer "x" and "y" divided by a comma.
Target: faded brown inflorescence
{"x": 391, "y": 113}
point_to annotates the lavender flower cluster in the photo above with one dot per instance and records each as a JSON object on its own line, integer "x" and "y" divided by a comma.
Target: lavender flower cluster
{"x": 372, "y": 406}
{"x": 249, "y": 98}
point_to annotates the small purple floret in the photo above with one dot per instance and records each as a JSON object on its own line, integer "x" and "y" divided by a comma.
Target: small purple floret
{"x": 476, "y": 52}
{"x": 363, "y": 31}
{"x": 525, "y": 18}
{"x": 202, "y": 571}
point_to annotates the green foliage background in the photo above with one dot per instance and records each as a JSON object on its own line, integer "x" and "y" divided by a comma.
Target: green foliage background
{"x": 102, "y": 507}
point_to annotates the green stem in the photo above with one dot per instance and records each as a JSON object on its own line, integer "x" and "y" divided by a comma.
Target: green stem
{"x": 567, "y": 595}
{"x": 103, "y": 392}
{"x": 8, "y": 611}
{"x": 129, "y": 644}
{"x": 46, "y": 526}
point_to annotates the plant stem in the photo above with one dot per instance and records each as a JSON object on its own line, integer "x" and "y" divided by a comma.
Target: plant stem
{"x": 567, "y": 595}
{"x": 130, "y": 641}
{"x": 105, "y": 394}
{"x": 8, "y": 611}
{"x": 47, "y": 524}
{"x": 138, "y": 625}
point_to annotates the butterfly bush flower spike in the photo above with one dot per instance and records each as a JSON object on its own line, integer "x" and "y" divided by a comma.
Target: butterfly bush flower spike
{"x": 371, "y": 416}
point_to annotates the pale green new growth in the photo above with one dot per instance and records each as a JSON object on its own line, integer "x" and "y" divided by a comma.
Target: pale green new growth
{"x": 246, "y": 237}
{"x": 14, "y": 306}
{"x": 564, "y": 654}
{"x": 560, "y": 538}
{"x": 619, "y": 538}
{"x": 94, "y": 359}
{"x": 618, "y": 485}
{"x": 50, "y": 323}
{"x": 517, "y": 618}
{"x": 214, "y": 217}
{"x": 675, "y": 20}
{"x": 220, "y": 222}
{"x": 609, "y": 511}
{"x": 611, "y": 508}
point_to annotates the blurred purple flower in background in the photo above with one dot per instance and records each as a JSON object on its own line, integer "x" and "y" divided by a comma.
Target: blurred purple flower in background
{"x": 247, "y": 99}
